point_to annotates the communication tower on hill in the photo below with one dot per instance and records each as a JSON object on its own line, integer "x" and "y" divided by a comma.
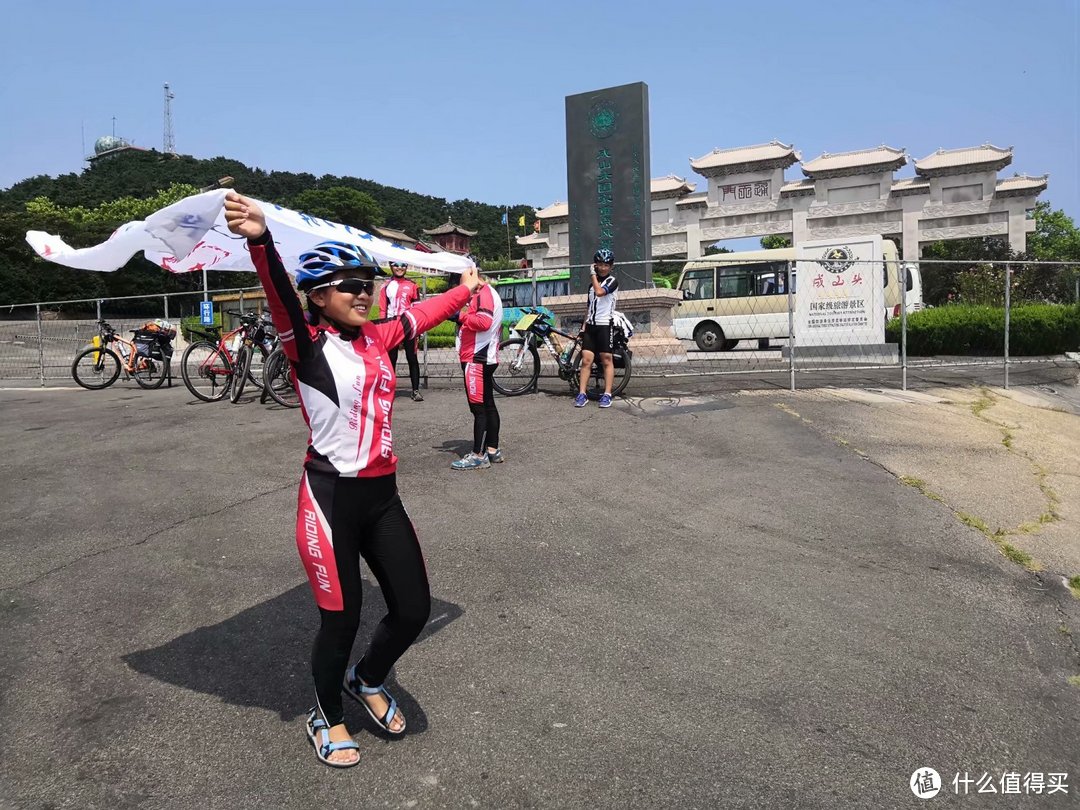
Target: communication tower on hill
{"x": 169, "y": 147}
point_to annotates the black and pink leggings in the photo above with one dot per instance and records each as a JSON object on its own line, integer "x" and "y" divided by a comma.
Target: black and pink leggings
{"x": 410, "y": 357}
{"x": 481, "y": 394}
{"x": 340, "y": 520}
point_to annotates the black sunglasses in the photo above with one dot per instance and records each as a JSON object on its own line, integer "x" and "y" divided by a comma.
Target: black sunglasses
{"x": 353, "y": 286}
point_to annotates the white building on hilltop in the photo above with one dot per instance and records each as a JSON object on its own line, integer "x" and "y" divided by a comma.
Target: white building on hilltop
{"x": 955, "y": 194}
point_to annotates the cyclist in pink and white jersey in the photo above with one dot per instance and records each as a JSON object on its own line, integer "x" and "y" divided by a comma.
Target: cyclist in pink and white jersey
{"x": 479, "y": 328}
{"x": 396, "y": 297}
{"x": 349, "y": 505}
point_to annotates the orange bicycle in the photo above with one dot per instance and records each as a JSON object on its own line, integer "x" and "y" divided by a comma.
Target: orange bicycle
{"x": 146, "y": 359}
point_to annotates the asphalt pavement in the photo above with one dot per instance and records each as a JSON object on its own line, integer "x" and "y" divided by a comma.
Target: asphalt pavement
{"x": 690, "y": 603}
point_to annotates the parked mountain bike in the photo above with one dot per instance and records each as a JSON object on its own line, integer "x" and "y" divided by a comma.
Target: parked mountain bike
{"x": 146, "y": 358}
{"x": 279, "y": 382}
{"x": 519, "y": 359}
{"x": 217, "y": 366}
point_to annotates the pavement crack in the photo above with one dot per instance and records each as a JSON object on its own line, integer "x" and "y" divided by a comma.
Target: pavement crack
{"x": 146, "y": 539}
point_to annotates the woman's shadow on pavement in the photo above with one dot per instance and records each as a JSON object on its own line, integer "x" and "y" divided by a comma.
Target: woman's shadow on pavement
{"x": 260, "y": 657}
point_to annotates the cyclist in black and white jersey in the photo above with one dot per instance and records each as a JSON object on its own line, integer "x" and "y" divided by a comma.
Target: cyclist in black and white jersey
{"x": 596, "y": 333}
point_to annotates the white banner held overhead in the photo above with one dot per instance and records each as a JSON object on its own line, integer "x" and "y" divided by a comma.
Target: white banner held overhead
{"x": 191, "y": 235}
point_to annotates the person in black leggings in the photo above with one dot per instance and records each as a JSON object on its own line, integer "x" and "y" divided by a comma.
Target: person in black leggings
{"x": 395, "y": 299}
{"x": 349, "y": 505}
{"x": 480, "y": 326}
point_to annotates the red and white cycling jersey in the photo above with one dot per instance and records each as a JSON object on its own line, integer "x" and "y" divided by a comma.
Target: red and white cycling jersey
{"x": 481, "y": 325}
{"x": 397, "y": 296}
{"x": 346, "y": 386}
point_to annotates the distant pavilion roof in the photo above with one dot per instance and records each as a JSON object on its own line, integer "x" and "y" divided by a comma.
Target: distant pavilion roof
{"x": 449, "y": 227}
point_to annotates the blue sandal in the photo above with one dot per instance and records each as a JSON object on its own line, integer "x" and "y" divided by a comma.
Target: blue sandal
{"x": 356, "y": 689}
{"x": 318, "y": 731}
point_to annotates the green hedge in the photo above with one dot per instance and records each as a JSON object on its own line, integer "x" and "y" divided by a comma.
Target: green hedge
{"x": 195, "y": 322}
{"x": 958, "y": 329}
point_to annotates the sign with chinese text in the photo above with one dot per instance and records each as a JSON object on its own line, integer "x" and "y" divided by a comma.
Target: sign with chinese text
{"x": 607, "y": 181}
{"x": 839, "y": 292}
{"x": 742, "y": 192}
{"x": 206, "y": 313}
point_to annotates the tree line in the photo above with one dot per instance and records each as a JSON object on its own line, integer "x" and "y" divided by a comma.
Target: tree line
{"x": 84, "y": 208}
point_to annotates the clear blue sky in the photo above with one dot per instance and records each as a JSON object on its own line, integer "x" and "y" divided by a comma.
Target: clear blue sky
{"x": 465, "y": 100}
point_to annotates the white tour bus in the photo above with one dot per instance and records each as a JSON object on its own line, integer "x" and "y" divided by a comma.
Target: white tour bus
{"x": 730, "y": 297}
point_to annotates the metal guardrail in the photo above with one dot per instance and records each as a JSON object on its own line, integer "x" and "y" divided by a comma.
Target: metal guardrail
{"x": 737, "y": 319}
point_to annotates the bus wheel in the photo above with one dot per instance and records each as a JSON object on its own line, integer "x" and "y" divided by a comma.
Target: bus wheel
{"x": 709, "y": 337}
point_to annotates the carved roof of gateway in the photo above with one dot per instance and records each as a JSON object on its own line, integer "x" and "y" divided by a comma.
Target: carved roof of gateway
{"x": 556, "y": 209}
{"x": 532, "y": 239}
{"x": 911, "y": 185}
{"x": 694, "y": 199}
{"x": 720, "y": 161}
{"x": 798, "y": 188}
{"x": 1021, "y": 185}
{"x": 948, "y": 161}
{"x": 860, "y": 161}
{"x": 670, "y": 186}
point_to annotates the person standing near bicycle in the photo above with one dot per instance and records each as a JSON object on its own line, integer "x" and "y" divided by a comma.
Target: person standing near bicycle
{"x": 479, "y": 330}
{"x": 596, "y": 333}
{"x": 349, "y": 506}
{"x": 395, "y": 299}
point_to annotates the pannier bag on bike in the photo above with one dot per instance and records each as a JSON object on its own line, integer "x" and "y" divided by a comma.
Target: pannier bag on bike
{"x": 154, "y": 339}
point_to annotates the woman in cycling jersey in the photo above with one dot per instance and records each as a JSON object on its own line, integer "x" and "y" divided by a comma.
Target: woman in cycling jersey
{"x": 349, "y": 505}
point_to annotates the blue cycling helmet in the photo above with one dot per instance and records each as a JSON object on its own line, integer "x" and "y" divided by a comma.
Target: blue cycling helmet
{"x": 604, "y": 256}
{"x": 327, "y": 258}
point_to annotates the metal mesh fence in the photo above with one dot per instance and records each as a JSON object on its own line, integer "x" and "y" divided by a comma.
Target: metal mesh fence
{"x": 777, "y": 322}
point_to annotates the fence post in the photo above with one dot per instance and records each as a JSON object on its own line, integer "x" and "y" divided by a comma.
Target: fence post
{"x": 40, "y": 344}
{"x": 1076, "y": 290}
{"x": 168, "y": 365}
{"x": 790, "y": 325}
{"x": 424, "y": 372}
{"x": 1008, "y": 289}
{"x": 903, "y": 326}
{"x": 241, "y": 302}
{"x": 99, "y": 309}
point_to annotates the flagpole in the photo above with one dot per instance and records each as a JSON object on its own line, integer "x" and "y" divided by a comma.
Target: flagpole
{"x": 507, "y": 218}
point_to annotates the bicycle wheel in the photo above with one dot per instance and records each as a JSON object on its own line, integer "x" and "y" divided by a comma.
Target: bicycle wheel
{"x": 278, "y": 380}
{"x": 518, "y": 369}
{"x": 257, "y": 372}
{"x": 150, "y": 373}
{"x": 95, "y": 368}
{"x": 595, "y": 386}
{"x": 622, "y": 375}
{"x": 240, "y": 373}
{"x": 206, "y": 370}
